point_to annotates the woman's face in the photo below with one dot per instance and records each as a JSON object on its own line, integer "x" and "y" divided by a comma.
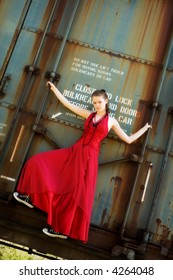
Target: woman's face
{"x": 99, "y": 103}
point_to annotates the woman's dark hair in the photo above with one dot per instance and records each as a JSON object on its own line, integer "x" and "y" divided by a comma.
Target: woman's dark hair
{"x": 101, "y": 92}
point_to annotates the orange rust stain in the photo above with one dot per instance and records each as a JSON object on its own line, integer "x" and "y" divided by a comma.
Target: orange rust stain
{"x": 162, "y": 235}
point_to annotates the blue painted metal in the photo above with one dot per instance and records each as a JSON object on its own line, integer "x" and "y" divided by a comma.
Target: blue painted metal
{"x": 11, "y": 17}
{"x": 117, "y": 45}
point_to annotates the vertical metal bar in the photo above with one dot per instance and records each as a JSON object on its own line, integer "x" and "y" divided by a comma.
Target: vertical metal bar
{"x": 155, "y": 104}
{"x": 45, "y": 32}
{"x": 17, "y": 32}
{"x": 59, "y": 55}
{"x": 158, "y": 186}
{"x": 25, "y": 90}
{"x": 47, "y": 90}
{"x": 66, "y": 35}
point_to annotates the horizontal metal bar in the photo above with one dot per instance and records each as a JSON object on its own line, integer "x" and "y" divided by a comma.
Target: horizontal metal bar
{"x": 117, "y": 54}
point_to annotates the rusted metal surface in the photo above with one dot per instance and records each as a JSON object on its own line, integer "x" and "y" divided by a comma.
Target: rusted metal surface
{"x": 121, "y": 46}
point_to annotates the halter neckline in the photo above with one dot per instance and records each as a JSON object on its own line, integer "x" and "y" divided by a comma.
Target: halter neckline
{"x": 95, "y": 123}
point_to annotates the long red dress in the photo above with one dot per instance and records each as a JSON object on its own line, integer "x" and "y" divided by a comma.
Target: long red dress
{"x": 62, "y": 182}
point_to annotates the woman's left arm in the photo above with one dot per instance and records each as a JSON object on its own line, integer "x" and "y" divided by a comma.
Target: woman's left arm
{"x": 122, "y": 135}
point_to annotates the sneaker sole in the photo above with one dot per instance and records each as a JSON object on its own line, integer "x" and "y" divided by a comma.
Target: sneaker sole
{"x": 45, "y": 231}
{"x": 15, "y": 195}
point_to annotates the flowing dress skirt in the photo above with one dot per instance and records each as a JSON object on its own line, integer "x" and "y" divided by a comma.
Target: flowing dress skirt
{"x": 62, "y": 184}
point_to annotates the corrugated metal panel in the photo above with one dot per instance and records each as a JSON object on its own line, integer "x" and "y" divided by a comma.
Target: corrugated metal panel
{"x": 135, "y": 28}
{"x": 10, "y": 25}
{"x": 117, "y": 45}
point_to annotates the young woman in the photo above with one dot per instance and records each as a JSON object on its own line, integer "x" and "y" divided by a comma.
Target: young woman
{"x": 62, "y": 182}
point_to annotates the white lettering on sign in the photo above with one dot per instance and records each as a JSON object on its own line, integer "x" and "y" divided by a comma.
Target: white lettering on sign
{"x": 120, "y": 106}
{"x": 125, "y": 120}
{"x": 3, "y": 127}
{"x": 123, "y": 100}
{"x": 94, "y": 69}
{"x": 80, "y": 95}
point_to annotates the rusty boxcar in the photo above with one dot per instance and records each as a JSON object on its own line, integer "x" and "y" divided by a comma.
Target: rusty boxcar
{"x": 125, "y": 47}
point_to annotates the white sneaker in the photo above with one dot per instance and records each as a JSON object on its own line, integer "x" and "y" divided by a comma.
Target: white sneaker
{"x": 50, "y": 232}
{"x": 25, "y": 199}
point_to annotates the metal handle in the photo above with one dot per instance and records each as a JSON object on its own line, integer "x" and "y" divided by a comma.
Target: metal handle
{"x": 146, "y": 181}
{"x": 17, "y": 143}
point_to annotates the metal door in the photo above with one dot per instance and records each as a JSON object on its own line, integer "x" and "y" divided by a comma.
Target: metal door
{"x": 122, "y": 46}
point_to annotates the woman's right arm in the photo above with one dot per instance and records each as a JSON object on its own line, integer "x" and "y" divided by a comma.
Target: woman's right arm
{"x": 75, "y": 109}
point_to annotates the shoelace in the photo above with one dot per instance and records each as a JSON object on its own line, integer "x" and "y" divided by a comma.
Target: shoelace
{"x": 24, "y": 197}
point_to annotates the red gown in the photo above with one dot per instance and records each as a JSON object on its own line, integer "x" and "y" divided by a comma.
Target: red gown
{"x": 62, "y": 182}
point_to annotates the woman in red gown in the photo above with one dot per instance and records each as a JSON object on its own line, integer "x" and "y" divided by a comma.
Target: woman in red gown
{"x": 62, "y": 182}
